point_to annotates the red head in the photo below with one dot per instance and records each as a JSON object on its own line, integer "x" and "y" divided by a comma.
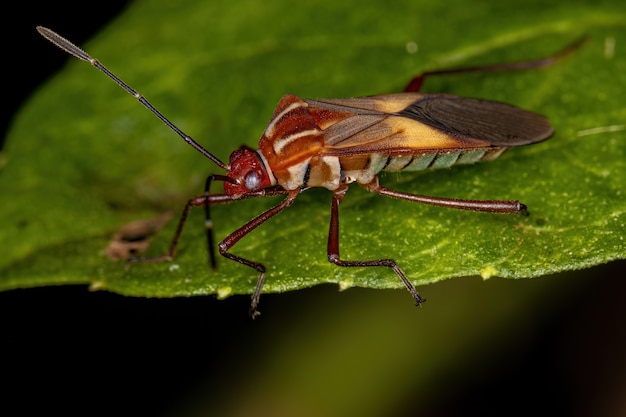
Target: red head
{"x": 248, "y": 170}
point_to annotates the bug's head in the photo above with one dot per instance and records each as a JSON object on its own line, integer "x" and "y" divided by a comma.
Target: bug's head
{"x": 248, "y": 170}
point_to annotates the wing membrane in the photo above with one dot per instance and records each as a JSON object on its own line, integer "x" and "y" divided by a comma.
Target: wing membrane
{"x": 406, "y": 123}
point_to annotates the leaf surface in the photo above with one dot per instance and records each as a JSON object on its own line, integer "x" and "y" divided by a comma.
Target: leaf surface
{"x": 83, "y": 158}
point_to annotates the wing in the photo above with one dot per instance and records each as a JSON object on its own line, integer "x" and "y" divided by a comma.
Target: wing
{"x": 416, "y": 123}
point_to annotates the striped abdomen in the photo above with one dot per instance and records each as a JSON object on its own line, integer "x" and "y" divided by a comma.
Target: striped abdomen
{"x": 439, "y": 160}
{"x": 364, "y": 168}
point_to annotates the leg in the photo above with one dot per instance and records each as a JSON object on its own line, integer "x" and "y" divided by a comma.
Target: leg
{"x": 203, "y": 201}
{"x": 171, "y": 253}
{"x": 333, "y": 248}
{"x": 416, "y": 83}
{"x": 234, "y": 237}
{"x": 209, "y": 200}
{"x": 490, "y": 206}
{"x": 208, "y": 223}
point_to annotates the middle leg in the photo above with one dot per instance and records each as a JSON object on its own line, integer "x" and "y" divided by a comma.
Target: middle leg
{"x": 333, "y": 248}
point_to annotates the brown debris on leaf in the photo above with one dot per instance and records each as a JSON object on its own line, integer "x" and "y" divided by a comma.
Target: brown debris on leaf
{"x": 134, "y": 238}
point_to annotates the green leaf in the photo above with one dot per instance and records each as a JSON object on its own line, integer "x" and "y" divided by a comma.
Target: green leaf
{"x": 83, "y": 158}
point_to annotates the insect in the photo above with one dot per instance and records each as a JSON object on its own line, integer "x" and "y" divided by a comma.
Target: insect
{"x": 332, "y": 143}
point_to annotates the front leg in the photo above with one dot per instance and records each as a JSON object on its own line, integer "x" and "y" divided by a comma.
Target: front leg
{"x": 333, "y": 247}
{"x": 234, "y": 237}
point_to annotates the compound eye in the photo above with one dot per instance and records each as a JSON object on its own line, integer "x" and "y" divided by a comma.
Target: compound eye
{"x": 252, "y": 181}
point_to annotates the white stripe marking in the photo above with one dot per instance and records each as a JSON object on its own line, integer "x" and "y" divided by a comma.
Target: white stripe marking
{"x": 282, "y": 142}
{"x": 269, "y": 131}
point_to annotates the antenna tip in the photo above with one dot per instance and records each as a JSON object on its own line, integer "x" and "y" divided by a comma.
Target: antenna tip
{"x": 63, "y": 43}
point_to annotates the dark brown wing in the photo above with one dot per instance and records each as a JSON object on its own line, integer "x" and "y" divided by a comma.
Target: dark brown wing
{"x": 499, "y": 124}
{"x": 402, "y": 123}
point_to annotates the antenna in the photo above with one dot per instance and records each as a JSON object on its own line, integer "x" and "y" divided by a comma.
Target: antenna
{"x": 72, "y": 49}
